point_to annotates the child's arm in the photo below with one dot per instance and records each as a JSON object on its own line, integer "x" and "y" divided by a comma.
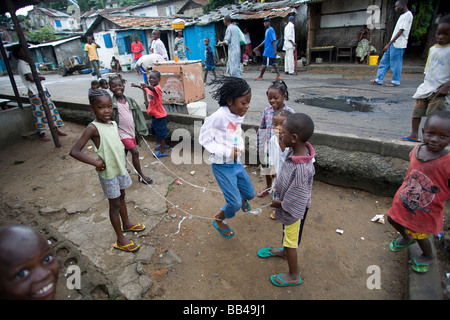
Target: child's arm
{"x": 443, "y": 90}
{"x": 89, "y": 133}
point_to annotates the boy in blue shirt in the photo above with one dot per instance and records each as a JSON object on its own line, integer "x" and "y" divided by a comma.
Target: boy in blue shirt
{"x": 270, "y": 51}
{"x": 209, "y": 60}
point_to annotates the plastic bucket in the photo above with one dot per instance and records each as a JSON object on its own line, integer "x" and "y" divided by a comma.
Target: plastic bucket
{"x": 197, "y": 108}
{"x": 373, "y": 60}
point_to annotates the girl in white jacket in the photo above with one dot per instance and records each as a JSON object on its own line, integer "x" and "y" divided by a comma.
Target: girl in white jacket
{"x": 221, "y": 135}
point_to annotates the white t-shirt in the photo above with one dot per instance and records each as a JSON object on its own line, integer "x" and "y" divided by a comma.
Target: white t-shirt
{"x": 437, "y": 72}
{"x": 404, "y": 23}
{"x": 158, "y": 47}
{"x": 220, "y": 134}
{"x": 24, "y": 68}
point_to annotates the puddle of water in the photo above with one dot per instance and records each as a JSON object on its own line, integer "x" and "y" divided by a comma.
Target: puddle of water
{"x": 347, "y": 104}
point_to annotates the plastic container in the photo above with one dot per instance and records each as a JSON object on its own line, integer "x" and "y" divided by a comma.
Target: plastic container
{"x": 197, "y": 108}
{"x": 373, "y": 60}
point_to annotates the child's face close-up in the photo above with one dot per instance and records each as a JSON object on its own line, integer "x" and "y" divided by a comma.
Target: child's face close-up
{"x": 277, "y": 124}
{"x": 240, "y": 105}
{"x": 103, "y": 108}
{"x": 275, "y": 98}
{"x": 443, "y": 34}
{"x": 286, "y": 137}
{"x": 31, "y": 271}
{"x": 117, "y": 87}
{"x": 153, "y": 79}
{"x": 95, "y": 86}
{"x": 436, "y": 134}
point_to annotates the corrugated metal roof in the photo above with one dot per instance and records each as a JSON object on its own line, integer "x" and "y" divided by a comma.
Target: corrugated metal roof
{"x": 54, "y": 43}
{"x": 271, "y": 13}
{"x": 136, "y": 22}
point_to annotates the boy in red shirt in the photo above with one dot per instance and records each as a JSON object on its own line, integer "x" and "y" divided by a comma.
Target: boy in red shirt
{"x": 157, "y": 111}
{"x": 137, "y": 48}
{"x": 418, "y": 207}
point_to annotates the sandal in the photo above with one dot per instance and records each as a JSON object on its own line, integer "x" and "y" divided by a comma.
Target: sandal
{"x": 393, "y": 246}
{"x": 127, "y": 248}
{"x": 277, "y": 78}
{"x": 420, "y": 267}
{"x": 160, "y": 155}
{"x": 136, "y": 228}
{"x": 159, "y": 147}
{"x": 257, "y": 79}
{"x": 264, "y": 192}
{"x": 222, "y": 232}
{"x": 146, "y": 181}
{"x": 246, "y": 207}
{"x": 44, "y": 138}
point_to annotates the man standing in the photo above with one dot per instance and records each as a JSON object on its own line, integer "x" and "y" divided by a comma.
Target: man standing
{"x": 91, "y": 53}
{"x": 234, "y": 48}
{"x": 158, "y": 46}
{"x": 289, "y": 46}
{"x": 270, "y": 51}
{"x": 394, "y": 50}
{"x": 136, "y": 48}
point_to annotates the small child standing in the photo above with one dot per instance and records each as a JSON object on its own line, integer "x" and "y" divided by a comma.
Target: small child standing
{"x": 94, "y": 86}
{"x": 157, "y": 111}
{"x": 293, "y": 191}
{"x": 128, "y": 116}
{"x": 418, "y": 207}
{"x": 277, "y": 149}
{"x": 210, "y": 64}
{"x": 276, "y": 95}
{"x": 221, "y": 135}
{"x": 432, "y": 95}
{"x": 103, "y": 84}
{"x": 28, "y": 268}
{"x": 110, "y": 165}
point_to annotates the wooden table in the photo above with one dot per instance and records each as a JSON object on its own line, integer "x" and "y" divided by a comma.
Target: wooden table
{"x": 328, "y": 49}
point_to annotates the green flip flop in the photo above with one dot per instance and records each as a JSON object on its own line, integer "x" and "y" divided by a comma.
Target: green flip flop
{"x": 284, "y": 283}
{"x": 420, "y": 267}
{"x": 265, "y": 253}
{"x": 393, "y": 246}
{"x": 246, "y": 207}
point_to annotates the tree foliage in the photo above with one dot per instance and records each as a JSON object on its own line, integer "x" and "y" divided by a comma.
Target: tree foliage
{"x": 42, "y": 35}
{"x": 212, "y": 4}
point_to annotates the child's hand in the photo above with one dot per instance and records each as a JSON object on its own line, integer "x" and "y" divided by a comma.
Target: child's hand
{"x": 236, "y": 153}
{"x": 443, "y": 90}
{"x": 275, "y": 203}
{"x": 100, "y": 165}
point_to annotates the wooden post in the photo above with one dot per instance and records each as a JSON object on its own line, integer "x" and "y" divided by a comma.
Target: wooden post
{"x": 23, "y": 42}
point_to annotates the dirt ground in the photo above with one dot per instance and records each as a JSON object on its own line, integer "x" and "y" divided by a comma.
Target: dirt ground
{"x": 332, "y": 265}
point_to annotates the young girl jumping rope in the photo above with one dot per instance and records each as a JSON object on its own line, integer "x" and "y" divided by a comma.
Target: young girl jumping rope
{"x": 221, "y": 136}
{"x": 276, "y": 95}
{"x": 110, "y": 164}
{"x": 130, "y": 120}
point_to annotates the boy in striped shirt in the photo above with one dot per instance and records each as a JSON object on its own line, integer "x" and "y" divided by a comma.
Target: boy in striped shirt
{"x": 293, "y": 190}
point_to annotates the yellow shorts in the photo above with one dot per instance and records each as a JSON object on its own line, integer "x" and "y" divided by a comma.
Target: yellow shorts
{"x": 291, "y": 235}
{"x": 417, "y": 235}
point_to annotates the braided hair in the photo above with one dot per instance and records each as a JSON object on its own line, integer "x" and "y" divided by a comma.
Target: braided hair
{"x": 116, "y": 76}
{"x": 230, "y": 88}
{"x": 280, "y": 85}
{"x": 94, "y": 94}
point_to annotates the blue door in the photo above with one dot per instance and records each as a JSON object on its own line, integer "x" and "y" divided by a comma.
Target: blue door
{"x": 194, "y": 36}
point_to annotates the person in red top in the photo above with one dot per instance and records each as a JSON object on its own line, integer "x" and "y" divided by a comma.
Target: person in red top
{"x": 418, "y": 207}
{"x": 137, "y": 48}
{"x": 157, "y": 111}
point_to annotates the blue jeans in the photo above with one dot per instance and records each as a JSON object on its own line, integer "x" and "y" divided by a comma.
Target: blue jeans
{"x": 235, "y": 184}
{"x": 392, "y": 59}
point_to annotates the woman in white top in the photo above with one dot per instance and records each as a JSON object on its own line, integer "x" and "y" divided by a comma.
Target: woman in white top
{"x": 41, "y": 121}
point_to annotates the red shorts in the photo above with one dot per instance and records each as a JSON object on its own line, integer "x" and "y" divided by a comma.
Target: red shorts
{"x": 129, "y": 143}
